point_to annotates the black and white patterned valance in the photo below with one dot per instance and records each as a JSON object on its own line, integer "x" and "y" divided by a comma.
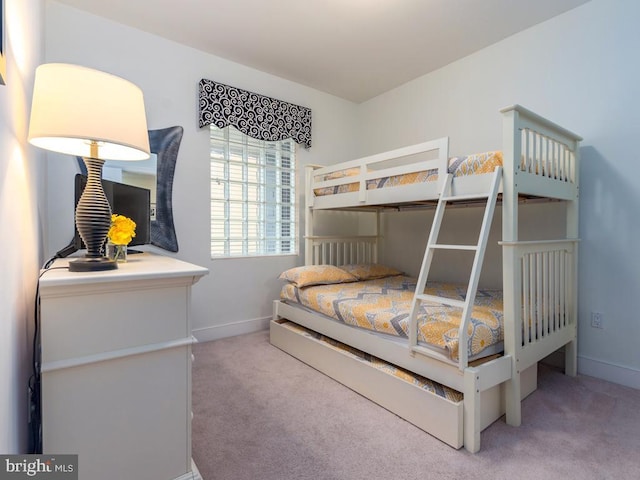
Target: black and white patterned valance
{"x": 258, "y": 116}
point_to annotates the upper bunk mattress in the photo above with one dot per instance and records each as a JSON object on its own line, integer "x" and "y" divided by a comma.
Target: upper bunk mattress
{"x": 383, "y": 305}
{"x": 476, "y": 164}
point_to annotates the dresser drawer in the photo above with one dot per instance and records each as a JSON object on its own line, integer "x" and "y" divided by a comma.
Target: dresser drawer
{"x": 121, "y": 415}
{"x": 81, "y": 325}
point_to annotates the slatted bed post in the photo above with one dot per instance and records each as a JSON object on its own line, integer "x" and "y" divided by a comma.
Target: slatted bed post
{"x": 472, "y": 410}
{"x": 512, "y": 151}
{"x": 571, "y": 349}
{"x": 376, "y": 244}
{"x": 537, "y": 152}
{"x": 308, "y": 218}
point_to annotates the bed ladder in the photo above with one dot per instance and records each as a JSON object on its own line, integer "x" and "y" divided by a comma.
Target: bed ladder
{"x": 446, "y": 197}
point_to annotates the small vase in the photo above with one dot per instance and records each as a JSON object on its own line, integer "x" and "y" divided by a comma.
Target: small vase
{"x": 117, "y": 253}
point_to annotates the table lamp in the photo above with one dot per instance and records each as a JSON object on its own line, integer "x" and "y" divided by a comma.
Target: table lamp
{"x": 97, "y": 116}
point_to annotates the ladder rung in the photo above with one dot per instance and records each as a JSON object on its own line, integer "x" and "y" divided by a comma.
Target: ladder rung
{"x": 445, "y": 300}
{"x": 471, "y": 196}
{"x": 454, "y": 247}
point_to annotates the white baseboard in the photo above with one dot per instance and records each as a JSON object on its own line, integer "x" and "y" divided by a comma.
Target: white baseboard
{"x": 217, "y": 332}
{"x": 610, "y": 372}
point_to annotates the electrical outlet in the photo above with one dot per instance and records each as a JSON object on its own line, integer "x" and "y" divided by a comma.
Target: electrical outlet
{"x": 597, "y": 320}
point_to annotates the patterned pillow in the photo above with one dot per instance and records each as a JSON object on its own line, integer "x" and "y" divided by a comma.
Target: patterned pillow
{"x": 370, "y": 271}
{"x": 316, "y": 275}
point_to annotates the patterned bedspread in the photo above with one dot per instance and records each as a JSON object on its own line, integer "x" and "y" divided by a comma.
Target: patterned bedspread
{"x": 383, "y": 305}
{"x": 459, "y": 166}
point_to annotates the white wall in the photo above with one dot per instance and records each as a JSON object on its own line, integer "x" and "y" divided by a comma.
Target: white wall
{"x": 581, "y": 70}
{"x": 20, "y": 184}
{"x": 238, "y": 293}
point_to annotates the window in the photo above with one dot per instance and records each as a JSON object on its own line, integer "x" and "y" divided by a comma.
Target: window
{"x": 253, "y": 198}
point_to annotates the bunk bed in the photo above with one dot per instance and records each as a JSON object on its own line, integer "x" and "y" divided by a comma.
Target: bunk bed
{"x": 452, "y": 393}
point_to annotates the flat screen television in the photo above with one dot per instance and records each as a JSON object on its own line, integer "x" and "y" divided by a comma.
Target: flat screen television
{"x": 127, "y": 200}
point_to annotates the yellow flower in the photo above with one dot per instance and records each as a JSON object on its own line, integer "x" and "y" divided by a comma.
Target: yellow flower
{"x": 122, "y": 230}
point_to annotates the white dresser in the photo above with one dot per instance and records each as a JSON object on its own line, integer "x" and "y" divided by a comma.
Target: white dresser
{"x": 116, "y": 368}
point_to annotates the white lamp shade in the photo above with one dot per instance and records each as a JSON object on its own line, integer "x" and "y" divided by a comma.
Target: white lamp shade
{"x": 74, "y": 106}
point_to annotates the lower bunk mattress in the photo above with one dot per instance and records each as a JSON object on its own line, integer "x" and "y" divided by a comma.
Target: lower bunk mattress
{"x": 383, "y": 305}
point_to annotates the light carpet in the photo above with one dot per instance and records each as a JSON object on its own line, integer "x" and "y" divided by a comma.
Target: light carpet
{"x": 261, "y": 414}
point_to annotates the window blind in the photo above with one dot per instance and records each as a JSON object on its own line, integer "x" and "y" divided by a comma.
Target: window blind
{"x": 253, "y": 209}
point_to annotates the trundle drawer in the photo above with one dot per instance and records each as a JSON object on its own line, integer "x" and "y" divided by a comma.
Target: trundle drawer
{"x": 439, "y": 416}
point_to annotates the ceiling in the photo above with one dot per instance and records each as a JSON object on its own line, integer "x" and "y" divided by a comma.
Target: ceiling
{"x": 354, "y": 49}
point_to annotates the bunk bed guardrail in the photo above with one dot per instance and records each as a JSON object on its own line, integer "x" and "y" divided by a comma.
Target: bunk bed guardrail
{"x": 431, "y": 155}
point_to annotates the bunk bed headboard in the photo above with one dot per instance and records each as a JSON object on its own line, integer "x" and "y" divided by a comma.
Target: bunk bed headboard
{"x": 535, "y": 147}
{"x": 541, "y": 158}
{"x": 328, "y": 250}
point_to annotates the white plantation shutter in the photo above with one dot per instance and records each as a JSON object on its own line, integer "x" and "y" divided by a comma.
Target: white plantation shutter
{"x": 253, "y": 209}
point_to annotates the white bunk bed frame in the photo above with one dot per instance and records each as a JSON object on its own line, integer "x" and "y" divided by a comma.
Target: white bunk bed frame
{"x": 540, "y": 159}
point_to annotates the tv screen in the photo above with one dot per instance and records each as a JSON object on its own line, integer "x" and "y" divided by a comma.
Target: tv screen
{"x": 127, "y": 200}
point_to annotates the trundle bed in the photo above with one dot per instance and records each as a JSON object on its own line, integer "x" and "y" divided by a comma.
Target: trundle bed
{"x": 388, "y": 356}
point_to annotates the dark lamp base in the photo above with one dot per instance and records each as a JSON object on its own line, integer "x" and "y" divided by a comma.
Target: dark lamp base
{"x": 89, "y": 264}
